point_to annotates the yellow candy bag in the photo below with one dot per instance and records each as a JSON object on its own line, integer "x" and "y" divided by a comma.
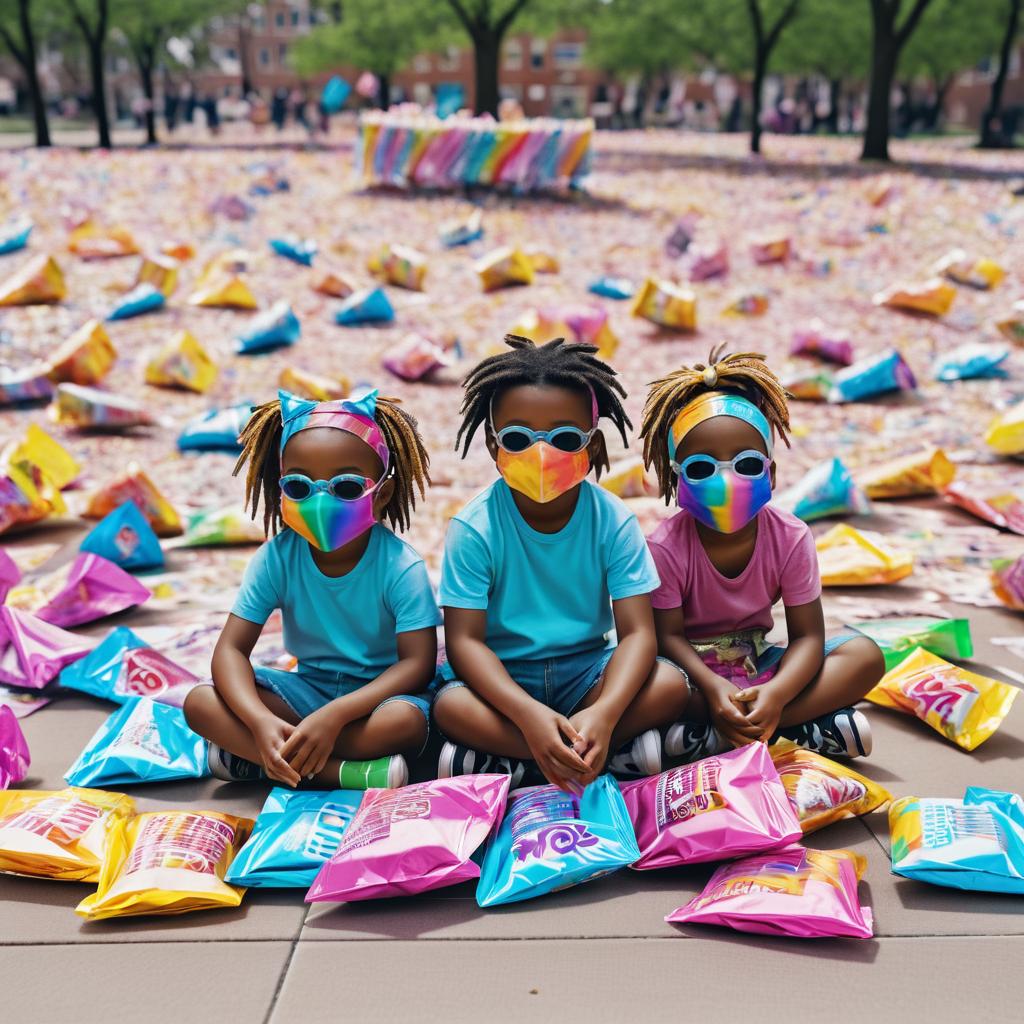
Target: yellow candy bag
{"x": 851, "y": 558}
{"x": 38, "y": 451}
{"x": 963, "y": 706}
{"x": 821, "y": 790}
{"x": 924, "y": 472}
{"x": 161, "y": 272}
{"x": 399, "y": 265}
{"x": 962, "y": 268}
{"x": 90, "y": 241}
{"x": 224, "y": 291}
{"x": 182, "y": 363}
{"x": 135, "y": 486}
{"x": 39, "y": 281}
{"x": 314, "y": 386}
{"x": 85, "y": 357}
{"x": 933, "y": 297}
{"x": 504, "y": 267}
{"x": 1006, "y": 433}
{"x": 168, "y": 862}
{"x": 58, "y": 834}
{"x": 666, "y": 304}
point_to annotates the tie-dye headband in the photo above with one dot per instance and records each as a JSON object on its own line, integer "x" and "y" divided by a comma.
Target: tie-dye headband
{"x": 353, "y": 415}
{"x": 717, "y": 403}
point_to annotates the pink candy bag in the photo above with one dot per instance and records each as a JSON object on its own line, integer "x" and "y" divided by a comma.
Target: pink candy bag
{"x": 806, "y": 894}
{"x": 14, "y": 759}
{"x": 9, "y": 574}
{"x": 410, "y": 840}
{"x": 724, "y": 806}
{"x": 32, "y": 652}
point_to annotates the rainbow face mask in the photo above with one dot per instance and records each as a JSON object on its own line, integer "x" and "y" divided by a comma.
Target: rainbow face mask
{"x": 330, "y": 513}
{"x": 723, "y": 495}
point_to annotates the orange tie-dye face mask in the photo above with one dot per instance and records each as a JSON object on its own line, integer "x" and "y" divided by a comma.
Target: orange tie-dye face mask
{"x": 542, "y": 472}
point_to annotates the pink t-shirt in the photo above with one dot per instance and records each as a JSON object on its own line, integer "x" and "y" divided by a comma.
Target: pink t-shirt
{"x": 784, "y": 564}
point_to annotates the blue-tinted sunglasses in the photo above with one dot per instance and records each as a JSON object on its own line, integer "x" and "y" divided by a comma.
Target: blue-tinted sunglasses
{"x": 566, "y": 439}
{"x": 697, "y": 468}
{"x": 345, "y": 486}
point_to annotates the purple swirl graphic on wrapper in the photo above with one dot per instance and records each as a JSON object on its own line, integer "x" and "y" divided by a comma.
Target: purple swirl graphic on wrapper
{"x": 557, "y": 840}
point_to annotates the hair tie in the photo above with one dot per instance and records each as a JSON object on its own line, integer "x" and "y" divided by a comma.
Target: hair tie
{"x": 710, "y": 376}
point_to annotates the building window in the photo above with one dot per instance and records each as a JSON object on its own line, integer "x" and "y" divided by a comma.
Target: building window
{"x": 449, "y": 60}
{"x": 536, "y": 92}
{"x": 538, "y": 47}
{"x": 258, "y": 20}
{"x": 512, "y": 92}
{"x": 230, "y": 53}
{"x": 282, "y": 54}
{"x": 567, "y": 55}
{"x": 422, "y": 94}
{"x": 421, "y": 63}
{"x": 279, "y": 19}
{"x": 568, "y": 100}
{"x": 513, "y": 55}
{"x": 295, "y": 19}
{"x": 264, "y": 58}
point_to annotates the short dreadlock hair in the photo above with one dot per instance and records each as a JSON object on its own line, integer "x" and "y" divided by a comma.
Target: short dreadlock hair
{"x": 561, "y": 363}
{"x": 261, "y": 446}
{"x": 738, "y": 373}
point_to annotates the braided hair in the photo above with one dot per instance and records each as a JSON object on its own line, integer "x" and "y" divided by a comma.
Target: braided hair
{"x": 261, "y": 445}
{"x": 739, "y": 373}
{"x": 565, "y": 364}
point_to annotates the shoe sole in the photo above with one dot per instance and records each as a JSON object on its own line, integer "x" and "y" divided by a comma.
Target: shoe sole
{"x": 398, "y": 772}
{"x": 446, "y": 761}
{"x": 855, "y": 730}
{"x": 649, "y": 761}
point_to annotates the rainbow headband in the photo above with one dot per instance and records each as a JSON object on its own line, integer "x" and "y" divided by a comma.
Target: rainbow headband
{"x": 717, "y": 403}
{"x": 354, "y": 415}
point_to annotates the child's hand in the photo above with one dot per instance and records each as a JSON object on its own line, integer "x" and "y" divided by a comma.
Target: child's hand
{"x": 312, "y": 742}
{"x": 271, "y": 733}
{"x": 729, "y": 719}
{"x": 546, "y": 733}
{"x": 595, "y": 731}
{"x": 763, "y": 708}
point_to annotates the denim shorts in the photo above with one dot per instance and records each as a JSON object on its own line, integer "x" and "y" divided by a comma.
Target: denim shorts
{"x": 306, "y": 692}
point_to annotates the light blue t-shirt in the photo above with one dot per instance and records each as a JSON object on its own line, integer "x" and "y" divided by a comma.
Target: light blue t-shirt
{"x": 546, "y": 594}
{"x": 345, "y": 624}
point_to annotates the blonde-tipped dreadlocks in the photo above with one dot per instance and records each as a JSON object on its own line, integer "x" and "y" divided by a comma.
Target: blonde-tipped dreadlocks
{"x": 261, "y": 446}
{"x": 743, "y": 373}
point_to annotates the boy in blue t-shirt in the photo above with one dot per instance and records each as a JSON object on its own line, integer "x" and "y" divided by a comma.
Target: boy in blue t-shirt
{"x": 537, "y": 570}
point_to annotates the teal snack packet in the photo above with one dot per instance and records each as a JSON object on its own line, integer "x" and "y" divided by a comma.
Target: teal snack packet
{"x": 948, "y": 638}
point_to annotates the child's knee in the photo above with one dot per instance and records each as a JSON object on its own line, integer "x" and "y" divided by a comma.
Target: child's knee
{"x": 198, "y": 705}
{"x": 673, "y": 688}
{"x": 406, "y": 723}
{"x": 869, "y": 658}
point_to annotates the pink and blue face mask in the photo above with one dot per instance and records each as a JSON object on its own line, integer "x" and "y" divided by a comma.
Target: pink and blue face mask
{"x": 722, "y": 495}
{"x": 330, "y": 513}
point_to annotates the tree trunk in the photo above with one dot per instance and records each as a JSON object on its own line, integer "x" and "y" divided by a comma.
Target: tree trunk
{"x": 486, "y": 47}
{"x": 99, "y": 90}
{"x": 384, "y": 91}
{"x": 757, "y": 87}
{"x": 883, "y": 69}
{"x": 35, "y": 91}
{"x": 993, "y": 135}
{"x": 835, "y": 90}
{"x": 146, "y": 78}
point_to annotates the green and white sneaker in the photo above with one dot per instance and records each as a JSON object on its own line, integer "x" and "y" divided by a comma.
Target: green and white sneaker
{"x": 381, "y": 773}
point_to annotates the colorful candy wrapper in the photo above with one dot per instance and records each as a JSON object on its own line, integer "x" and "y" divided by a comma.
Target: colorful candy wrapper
{"x": 410, "y": 840}
{"x": 90, "y": 241}
{"x": 816, "y": 265}
{"x": 947, "y": 638}
{"x": 271, "y": 329}
{"x": 875, "y": 375}
{"x": 824, "y": 490}
{"x": 223, "y": 291}
{"x": 1005, "y": 433}
{"x": 294, "y": 835}
{"x": 87, "y": 589}
{"x": 219, "y": 526}
{"x": 963, "y": 706}
{"x": 370, "y": 306}
{"x": 178, "y": 250}
{"x": 542, "y": 260}
{"x": 39, "y": 281}
{"x": 928, "y": 471}
{"x": 628, "y": 479}
{"x": 723, "y": 806}
{"x": 551, "y": 840}
{"x": 135, "y": 486}
{"x": 748, "y": 303}
{"x": 809, "y": 385}
{"x": 143, "y": 298}
{"x": 85, "y": 358}
{"x": 822, "y": 791}
{"x": 587, "y": 325}
{"x": 818, "y": 340}
{"x": 32, "y": 473}
{"x": 216, "y": 430}
{"x": 142, "y": 741}
{"x": 298, "y": 250}
{"x": 1008, "y": 582}
{"x": 855, "y": 558}
{"x": 123, "y": 666}
{"x": 803, "y": 894}
{"x": 399, "y": 265}
{"x": 33, "y": 652}
{"x": 167, "y": 862}
{"x": 333, "y": 282}
{"x": 313, "y": 386}
{"x": 1011, "y": 326}
{"x": 979, "y": 273}
{"x": 462, "y": 230}
{"x": 681, "y": 235}
{"x": 182, "y": 363}
{"x": 9, "y": 574}
{"x": 29, "y": 384}
{"x": 976, "y": 360}
{"x": 666, "y": 304}
{"x": 771, "y": 247}
{"x": 976, "y": 843}
{"x": 1003, "y": 510}
{"x": 161, "y": 272}
{"x": 932, "y": 297}
{"x": 125, "y": 538}
{"x": 14, "y": 236}
{"x": 85, "y": 408}
{"x": 707, "y": 261}
{"x": 415, "y": 357}
{"x": 233, "y": 207}
{"x": 609, "y": 287}
{"x": 14, "y": 755}
{"x": 503, "y": 268}
{"x": 59, "y": 834}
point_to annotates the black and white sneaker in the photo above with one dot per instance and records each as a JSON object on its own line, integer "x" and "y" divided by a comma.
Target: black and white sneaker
{"x": 639, "y": 758}
{"x": 231, "y": 768}
{"x": 455, "y": 760}
{"x": 842, "y": 733}
{"x": 693, "y": 741}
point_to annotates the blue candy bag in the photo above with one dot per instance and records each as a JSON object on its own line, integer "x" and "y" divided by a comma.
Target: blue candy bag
{"x": 143, "y": 298}
{"x": 276, "y": 327}
{"x": 300, "y": 250}
{"x": 550, "y": 840}
{"x": 976, "y": 843}
{"x": 142, "y": 741}
{"x": 295, "y": 834}
{"x": 14, "y": 236}
{"x": 370, "y": 306}
{"x": 825, "y": 490}
{"x": 971, "y": 361}
{"x": 875, "y": 375}
{"x": 125, "y": 538}
{"x": 612, "y": 287}
{"x": 216, "y": 430}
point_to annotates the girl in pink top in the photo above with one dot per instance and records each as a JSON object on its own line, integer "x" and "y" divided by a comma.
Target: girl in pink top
{"x": 727, "y": 556}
